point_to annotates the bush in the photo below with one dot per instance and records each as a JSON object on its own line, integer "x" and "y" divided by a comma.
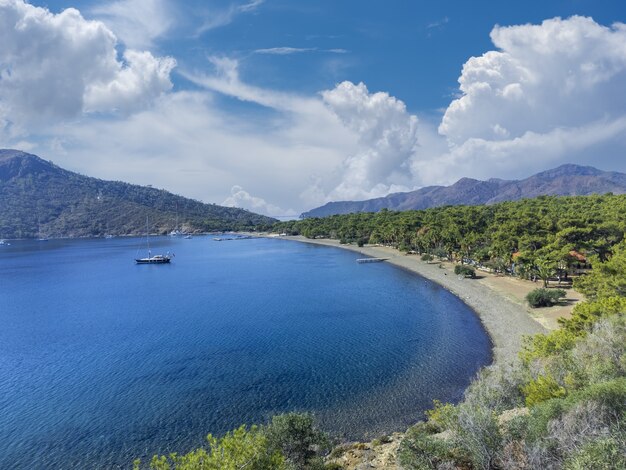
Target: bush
{"x": 241, "y": 448}
{"x": 602, "y": 454}
{"x": 542, "y": 389}
{"x": 420, "y": 450}
{"x": 466, "y": 271}
{"x": 426, "y": 257}
{"x": 297, "y": 438}
{"x": 545, "y": 297}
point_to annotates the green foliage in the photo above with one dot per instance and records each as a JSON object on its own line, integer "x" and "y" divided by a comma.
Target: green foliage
{"x": 426, "y": 257}
{"x": 41, "y": 197}
{"x": 466, "y": 271}
{"x": 541, "y": 389}
{"x": 442, "y": 415}
{"x": 296, "y": 437}
{"x": 544, "y": 297}
{"x": 420, "y": 449}
{"x": 290, "y": 441}
{"x": 606, "y": 453}
{"x": 243, "y": 448}
{"x": 542, "y": 231}
{"x": 585, "y": 314}
{"x": 607, "y": 279}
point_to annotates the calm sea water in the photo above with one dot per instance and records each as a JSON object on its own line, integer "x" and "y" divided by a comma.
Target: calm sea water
{"x": 103, "y": 361}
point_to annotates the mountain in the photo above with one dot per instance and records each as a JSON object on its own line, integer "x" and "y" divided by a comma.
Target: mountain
{"x": 566, "y": 180}
{"x": 38, "y": 197}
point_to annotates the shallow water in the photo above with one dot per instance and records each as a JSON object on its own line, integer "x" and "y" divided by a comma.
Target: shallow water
{"x": 103, "y": 361}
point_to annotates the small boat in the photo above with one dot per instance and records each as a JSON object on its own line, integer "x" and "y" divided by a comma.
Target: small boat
{"x": 4, "y": 242}
{"x": 156, "y": 259}
{"x": 187, "y": 237}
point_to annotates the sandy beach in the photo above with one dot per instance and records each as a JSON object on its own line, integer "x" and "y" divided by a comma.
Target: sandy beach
{"x": 497, "y": 300}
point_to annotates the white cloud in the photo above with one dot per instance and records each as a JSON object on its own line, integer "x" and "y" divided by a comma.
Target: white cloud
{"x": 284, "y": 50}
{"x": 377, "y": 134}
{"x": 226, "y": 80}
{"x": 56, "y": 66}
{"x": 243, "y": 199}
{"x": 297, "y": 50}
{"x": 387, "y": 141}
{"x": 551, "y": 93}
{"x": 134, "y": 86}
{"x": 187, "y": 144}
{"x": 439, "y": 23}
{"x": 218, "y": 18}
{"x": 559, "y": 78}
{"x": 136, "y": 22}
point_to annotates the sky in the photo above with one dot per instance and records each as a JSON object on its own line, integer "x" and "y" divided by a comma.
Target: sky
{"x": 280, "y": 106}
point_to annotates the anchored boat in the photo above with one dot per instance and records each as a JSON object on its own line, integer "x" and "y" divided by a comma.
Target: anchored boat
{"x": 156, "y": 259}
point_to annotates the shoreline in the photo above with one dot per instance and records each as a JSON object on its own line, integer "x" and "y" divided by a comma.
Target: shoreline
{"x": 503, "y": 314}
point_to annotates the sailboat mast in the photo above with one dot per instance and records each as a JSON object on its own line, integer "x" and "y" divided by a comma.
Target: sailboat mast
{"x": 148, "y": 236}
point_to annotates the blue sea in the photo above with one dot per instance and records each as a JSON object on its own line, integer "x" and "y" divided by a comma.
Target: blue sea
{"x": 103, "y": 361}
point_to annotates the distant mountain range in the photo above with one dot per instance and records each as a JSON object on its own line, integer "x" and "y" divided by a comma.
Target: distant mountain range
{"x": 566, "y": 180}
{"x": 38, "y": 198}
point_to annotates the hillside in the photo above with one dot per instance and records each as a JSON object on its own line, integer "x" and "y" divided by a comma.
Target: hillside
{"x": 37, "y": 196}
{"x": 566, "y": 180}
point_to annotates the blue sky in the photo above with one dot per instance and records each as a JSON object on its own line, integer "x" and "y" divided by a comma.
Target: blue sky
{"x": 279, "y": 106}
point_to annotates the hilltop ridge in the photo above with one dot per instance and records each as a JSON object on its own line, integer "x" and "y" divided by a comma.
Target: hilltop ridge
{"x": 38, "y": 197}
{"x": 565, "y": 180}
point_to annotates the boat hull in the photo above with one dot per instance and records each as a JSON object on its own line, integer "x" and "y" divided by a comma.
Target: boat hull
{"x": 153, "y": 260}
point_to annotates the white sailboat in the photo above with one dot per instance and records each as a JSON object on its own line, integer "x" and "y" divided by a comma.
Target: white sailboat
{"x": 150, "y": 259}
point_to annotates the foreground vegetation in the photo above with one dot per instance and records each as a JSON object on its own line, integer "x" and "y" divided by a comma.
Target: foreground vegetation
{"x": 561, "y": 405}
{"x": 289, "y": 441}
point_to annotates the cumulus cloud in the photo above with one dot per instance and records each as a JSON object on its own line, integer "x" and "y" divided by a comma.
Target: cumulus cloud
{"x": 137, "y": 23}
{"x": 387, "y": 141}
{"x": 59, "y": 65}
{"x": 243, "y": 199}
{"x": 550, "y": 92}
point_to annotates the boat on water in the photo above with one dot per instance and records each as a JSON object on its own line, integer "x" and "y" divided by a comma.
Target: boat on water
{"x": 153, "y": 259}
{"x": 4, "y": 242}
{"x": 156, "y": 259}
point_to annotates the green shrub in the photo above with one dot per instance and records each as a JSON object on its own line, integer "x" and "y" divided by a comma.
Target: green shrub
{"x": 541, "y": 346}
{"x": 297, "y": 438}
{"x": 420, "y": 450}
{"x": 543, "y": 388}
{"x": 466, "y": 271}
{"x": 427, "y": 257}
{"x": 442, "y": 416}
{"x": 545, "y": 297}
{"x": 601, "y": 454}
{"x": 241, "y": 448}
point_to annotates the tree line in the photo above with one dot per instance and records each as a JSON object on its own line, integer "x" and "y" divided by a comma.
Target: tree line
{"x": 531, "y": 237}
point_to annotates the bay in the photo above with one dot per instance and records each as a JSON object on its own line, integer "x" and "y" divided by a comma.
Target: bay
{"x": 103, "y": 361}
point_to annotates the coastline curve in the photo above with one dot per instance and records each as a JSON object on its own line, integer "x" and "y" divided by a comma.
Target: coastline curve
{"x": 505, "y": 321}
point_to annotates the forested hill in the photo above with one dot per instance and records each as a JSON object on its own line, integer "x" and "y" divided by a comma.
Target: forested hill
{"x": 38, "y": 197}
{"x": 566, "y": 180}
